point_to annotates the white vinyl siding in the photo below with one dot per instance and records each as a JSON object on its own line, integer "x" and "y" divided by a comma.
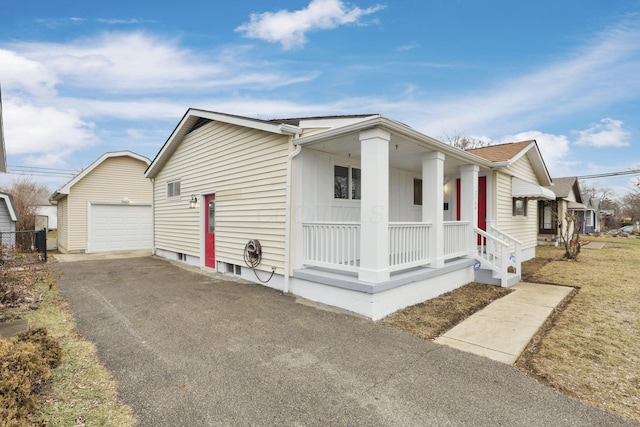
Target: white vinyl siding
{"x": 523, "y": 228}
{"x": 247, "y": 170}
{"x": 63, "y": 225}
{"x": 111, "y": 181}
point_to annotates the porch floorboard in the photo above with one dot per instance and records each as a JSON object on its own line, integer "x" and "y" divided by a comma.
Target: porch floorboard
{"x": 349, "y": 280}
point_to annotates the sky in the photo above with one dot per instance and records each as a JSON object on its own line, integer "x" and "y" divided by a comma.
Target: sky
{"x": 82, "y": 78}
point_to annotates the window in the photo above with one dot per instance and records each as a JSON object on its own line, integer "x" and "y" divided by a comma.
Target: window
{"x": 173, "y": 189}
{"x": 417, "y": 192}
{"x": 590, "y": 215}
{"x": 519, "y": 207}
{"x": 347, "y": 183}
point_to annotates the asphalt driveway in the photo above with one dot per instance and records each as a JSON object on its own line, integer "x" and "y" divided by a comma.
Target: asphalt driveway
{"x": 193, "y": 349}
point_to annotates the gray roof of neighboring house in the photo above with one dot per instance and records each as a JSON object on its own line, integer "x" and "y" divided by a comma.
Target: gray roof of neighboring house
{"x": 563, "y": 186}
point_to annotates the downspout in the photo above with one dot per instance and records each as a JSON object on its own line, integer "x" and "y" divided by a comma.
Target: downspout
{"x": 153, "y": 215}
{"x": 288, "y": 215}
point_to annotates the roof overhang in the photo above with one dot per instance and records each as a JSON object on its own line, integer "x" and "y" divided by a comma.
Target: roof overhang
{"x": 64, "y": 191}
{"x": 398, "y": 131}
{"x": 522, "y": 188}
{"x": 576, "y": 206}
{"x": 8, "y": 199}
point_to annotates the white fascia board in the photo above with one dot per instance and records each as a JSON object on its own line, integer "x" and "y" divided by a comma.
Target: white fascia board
{"x": 332, "y": 122}
{"x": 537, "y": 162}
{"x": 10, "y": 207}
{"x": 396, "y": 128}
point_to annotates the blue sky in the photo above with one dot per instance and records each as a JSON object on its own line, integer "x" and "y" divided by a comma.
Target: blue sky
{"x": 82, "y": 78}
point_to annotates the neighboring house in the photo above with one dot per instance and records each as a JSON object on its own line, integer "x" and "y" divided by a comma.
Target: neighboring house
{"x": 516, "y": 187}
{"x": 8, "y": 219}
{"x": 359, "y": 212}
{"x": 50, "y": 214}
{"x": 552, "y": 221}
{"x": 106, "y": 207}
{"x": 590, "y": 216}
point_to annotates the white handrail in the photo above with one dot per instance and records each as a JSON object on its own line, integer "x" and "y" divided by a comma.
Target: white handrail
{"x": 494, "y": 253}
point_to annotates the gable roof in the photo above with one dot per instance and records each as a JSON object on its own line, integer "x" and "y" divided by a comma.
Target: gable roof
{"x": 3, "y": 153}
{"x": 562, "y": 187}
{"x": 507, "y": 154}
{"x": 195, "y": 118}
{"x": 64, "y": 190}
{"x": 8, "y": 199}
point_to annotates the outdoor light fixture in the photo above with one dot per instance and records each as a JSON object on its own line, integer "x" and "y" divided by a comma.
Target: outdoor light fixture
{"x": 193, "y": 203}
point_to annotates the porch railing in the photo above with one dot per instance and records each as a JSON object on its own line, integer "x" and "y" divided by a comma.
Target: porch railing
{"x": 336, "y": 245}
{"x": 456, "y": 239}
{"x": 408, "y": 245}
{"x": 332, "y": 244}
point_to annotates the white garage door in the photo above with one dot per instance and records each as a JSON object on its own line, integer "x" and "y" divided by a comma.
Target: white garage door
{"x": 119, "y": 227}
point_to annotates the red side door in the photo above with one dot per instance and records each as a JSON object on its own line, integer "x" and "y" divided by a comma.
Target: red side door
{"x": 482, "y": 203}
{"x": 210, "y": 231}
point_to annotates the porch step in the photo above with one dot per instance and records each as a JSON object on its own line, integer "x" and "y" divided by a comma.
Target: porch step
{"x": 490, "y": 277}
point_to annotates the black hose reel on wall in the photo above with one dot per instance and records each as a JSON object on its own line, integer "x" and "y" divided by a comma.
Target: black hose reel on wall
{"x": 253, "y": 257}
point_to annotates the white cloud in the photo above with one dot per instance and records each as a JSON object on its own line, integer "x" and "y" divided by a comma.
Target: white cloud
{"x": 607, "y": 133}
{"x": 409, "y": 46}
{"x": 21, "y": 72}
{"x": 554, "y": 149}
{"x": 290, "y": 28}
{"x": 136, "y": 62}
{"x": 47, "y": 135}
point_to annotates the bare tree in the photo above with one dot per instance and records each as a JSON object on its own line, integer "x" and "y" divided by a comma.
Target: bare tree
{"x": 459, "y": 140}
{"x": 27, "y": 195}
{"x": 571, "y": 235}
{"x": 631, "y": 204}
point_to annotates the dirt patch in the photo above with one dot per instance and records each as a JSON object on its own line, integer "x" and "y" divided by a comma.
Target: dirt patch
{"x": 432, "y": 318}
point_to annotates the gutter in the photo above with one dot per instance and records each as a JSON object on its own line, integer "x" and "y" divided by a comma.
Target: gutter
{"x": 288, "y": 213}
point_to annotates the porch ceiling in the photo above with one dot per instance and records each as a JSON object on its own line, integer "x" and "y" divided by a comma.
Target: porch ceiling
{"x": 404, "y": 153}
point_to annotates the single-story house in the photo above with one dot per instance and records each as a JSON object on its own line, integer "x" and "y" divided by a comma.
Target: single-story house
{"x": 360, "y": 212}
{"x": 590, "y": 216}
{"x": 48, "y": 213}
{"x": 8, "y": 219}
{"x": 107, "y": 206}
{"x": 552, "y": 221}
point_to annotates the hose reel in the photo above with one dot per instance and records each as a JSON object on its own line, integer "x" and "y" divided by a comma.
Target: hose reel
{"x": 253, "y": 258}
{"x": 253, "y": 253}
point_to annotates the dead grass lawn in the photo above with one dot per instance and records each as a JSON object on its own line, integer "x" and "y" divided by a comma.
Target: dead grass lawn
{"x": 592, "y": 349}
{"x": 432, "y": 318}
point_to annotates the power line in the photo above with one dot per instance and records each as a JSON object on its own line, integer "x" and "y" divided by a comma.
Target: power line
{"x": 604, "y": 175}
{"x": 40, "y": 171}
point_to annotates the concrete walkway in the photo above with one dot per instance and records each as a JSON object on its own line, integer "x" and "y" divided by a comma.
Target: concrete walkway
{"x": 502, "y": 330}
{"x": 102, "y": 255}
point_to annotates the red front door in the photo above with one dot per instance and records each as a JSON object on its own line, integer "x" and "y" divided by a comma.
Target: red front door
{"x": 482, "y": 203}
{"x": 210, "y": 231}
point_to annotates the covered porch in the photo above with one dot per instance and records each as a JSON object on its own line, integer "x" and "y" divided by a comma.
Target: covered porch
{"x": 410, "y": 212}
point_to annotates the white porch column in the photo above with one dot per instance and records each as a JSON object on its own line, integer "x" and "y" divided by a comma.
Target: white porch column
{"x": 469, "y": 198}
{"x": 433, "y": 204}
{"x": 374, "y": 206}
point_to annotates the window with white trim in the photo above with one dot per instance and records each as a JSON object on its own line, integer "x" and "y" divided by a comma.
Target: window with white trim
{"x": 173, "y": 189}
{"x": 347, "y": 183}
{"x": 520, "y": 206}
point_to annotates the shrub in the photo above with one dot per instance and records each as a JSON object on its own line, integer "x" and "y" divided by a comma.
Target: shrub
{"x": 25, "y": 363}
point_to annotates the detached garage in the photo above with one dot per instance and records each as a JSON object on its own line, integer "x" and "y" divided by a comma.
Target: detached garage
{"x": 107, "y": 207}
